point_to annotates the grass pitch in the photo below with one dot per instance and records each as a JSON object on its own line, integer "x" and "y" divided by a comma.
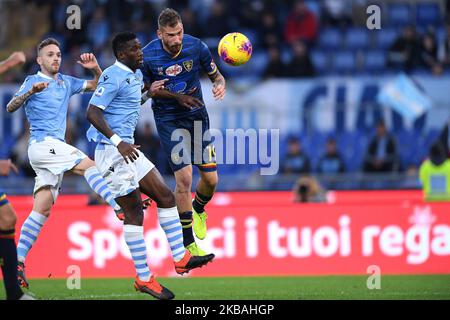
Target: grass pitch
{"x": 257, "y": 288}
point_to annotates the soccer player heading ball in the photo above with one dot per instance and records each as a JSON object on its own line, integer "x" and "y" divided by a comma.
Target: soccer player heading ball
{"x": 178, "y": 59}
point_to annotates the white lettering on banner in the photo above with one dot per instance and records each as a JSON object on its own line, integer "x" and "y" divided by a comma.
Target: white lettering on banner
{"x": 391, "y": 240}
{"x": 251, "y": 237}
{"x": 302, "y": 242}
{"x": 75, "y": 235}
{"x": 440, "y": 245}
{"x": 226, "y": 235}
{"x": 414, "y": 244}
{"x": 418, "y": 241}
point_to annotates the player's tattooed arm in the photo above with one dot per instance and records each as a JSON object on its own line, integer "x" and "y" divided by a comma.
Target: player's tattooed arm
{"x": 219, "y": 85}
{"x": 95, "y": 116}
{"x": 88, "y": 61}
{"x": 18, "y": 101}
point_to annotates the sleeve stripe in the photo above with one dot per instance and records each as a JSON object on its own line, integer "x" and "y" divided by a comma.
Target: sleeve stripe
{"x": 100, "y": 106}
{"x": 85, "y": 83}
{"x": 214, "y": 71}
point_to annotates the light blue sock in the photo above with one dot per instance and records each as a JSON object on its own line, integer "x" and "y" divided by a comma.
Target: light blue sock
{"x": 29, "y": 233}
{"x": 134, "y": 238}
{"x": 98, "y": 184}
{"x": 170, "y": 222}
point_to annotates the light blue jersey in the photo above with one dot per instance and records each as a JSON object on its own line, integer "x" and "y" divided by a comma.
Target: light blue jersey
{"x": 46, "y": 111}
{"x": 118, "y": 94}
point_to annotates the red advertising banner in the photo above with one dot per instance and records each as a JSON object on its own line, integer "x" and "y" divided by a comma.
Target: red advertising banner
{"x": 256, "y": 233}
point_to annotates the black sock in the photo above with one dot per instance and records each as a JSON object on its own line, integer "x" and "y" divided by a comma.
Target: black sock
{"x": 200, "y": 202}
{"x": 8, "y": 255}
{"x": 186, "y": 223}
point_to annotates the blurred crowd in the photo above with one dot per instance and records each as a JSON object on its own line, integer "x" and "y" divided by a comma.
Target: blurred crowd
{"x": 286, "y": 33}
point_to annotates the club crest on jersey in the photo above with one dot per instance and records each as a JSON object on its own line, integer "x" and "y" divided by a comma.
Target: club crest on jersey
{"x": 174, "y": 70}
{"x": 188, "y": 65}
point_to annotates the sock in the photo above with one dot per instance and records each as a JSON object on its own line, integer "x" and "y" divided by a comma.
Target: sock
{"x": 170, "y": 222}
{"x": 98, "y": 184}
{"x": 186, "y": 223}
{"x": 29, "y": 233}
{"x": 8, "y": 261}
{"x": 134, "y": 237}
{"x": 200, "y": 202}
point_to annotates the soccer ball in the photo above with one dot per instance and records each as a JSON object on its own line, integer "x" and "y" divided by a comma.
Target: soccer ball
{"x": 235, "y": 49}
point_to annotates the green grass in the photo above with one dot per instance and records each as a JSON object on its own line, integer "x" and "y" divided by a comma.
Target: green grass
{"x": 266, "y": 288}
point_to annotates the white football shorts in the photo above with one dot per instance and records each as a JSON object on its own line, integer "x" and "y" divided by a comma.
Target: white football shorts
{"x": 122, "y": 178}
{"x": 49, "y": 159}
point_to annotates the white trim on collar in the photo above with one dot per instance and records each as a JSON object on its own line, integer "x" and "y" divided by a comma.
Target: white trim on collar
{"x": 44, "y": 76}
{"x": 122, "y": 66}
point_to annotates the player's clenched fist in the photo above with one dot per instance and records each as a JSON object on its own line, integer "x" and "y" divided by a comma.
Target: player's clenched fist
{"x": 39, "y": 86}
{"x": 128, "y": 151}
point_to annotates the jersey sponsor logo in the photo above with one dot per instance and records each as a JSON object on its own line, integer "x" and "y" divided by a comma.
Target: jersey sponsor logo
{"x": 99, "y": 91}
{"x": 188, "y": 65}
{"x": 174, "y": 70}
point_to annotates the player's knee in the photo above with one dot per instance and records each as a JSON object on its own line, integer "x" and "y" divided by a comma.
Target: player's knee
{"x": 211, "y": 181}
{"x": 166, "y": 199}
{"x": 134, "y": 215}
{"x": 184, "y": 183}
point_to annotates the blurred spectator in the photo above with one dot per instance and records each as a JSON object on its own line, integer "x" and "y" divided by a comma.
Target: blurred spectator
{"x": 217, "y": 23}
{"x": 269, "y": 30}
{"x": 295, "y": 161}
{"x": 98, "y": 29}
{"x": 444, "y": 138}
{"x": 336, "y": 13}
{"x": 19, "y": 153}
{"x": 405, "y": 51}
{"x": 190, "y": 22}
{"x": 331, "y": 162}
{"x": 300, "y": 65}
{"x": 308, "y": 189}
{"x": 429, "y": 54}
{"x": 149, "y": 142}
{"x": 435, "y": 174}
{"x": 382, "y": 152}
{"x": 301, "y": 24}
{"x": 445, "y": 47}
{"x": 275, "y": 67}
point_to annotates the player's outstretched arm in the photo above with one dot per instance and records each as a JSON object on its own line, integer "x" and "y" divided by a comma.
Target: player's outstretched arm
{"x": 95, "y": 116}
{"x": 88, "y": 61}
{"x": 184, "y": 100}
{"x": 18, "y": 101}
{"x": 13, "y": 60}
{"x": 219, "y": 85}
{"x": 150, "y": 90}
{"x": 6, "y": 166}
